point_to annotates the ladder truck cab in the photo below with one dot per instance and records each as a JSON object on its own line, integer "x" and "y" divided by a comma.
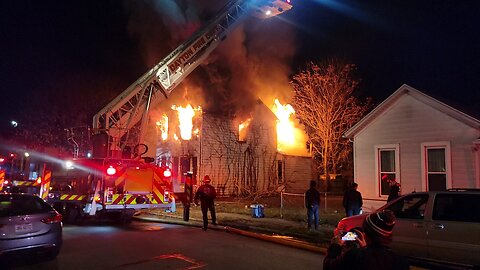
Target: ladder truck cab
{"x": 110, "y": 188}
{"x": 122, "y": 123}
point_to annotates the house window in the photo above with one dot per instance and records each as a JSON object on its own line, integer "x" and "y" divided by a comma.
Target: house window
{"x": 279, "y": 171}
{"x": 387, "y": 157}
{"x": 436, "y": 162}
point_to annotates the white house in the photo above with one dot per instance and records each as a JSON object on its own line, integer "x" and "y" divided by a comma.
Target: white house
{"x": 417, "y": 140}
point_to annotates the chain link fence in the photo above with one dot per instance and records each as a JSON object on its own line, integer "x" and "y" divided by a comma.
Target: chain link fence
{"x": 294, "y": 203}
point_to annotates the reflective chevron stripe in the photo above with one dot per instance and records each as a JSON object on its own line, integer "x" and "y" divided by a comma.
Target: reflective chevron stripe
{"x": 129, "y": 199}
{"x": 72, "y": 197}
{"x": 2, "y": 179}
{"x": 46, "y": 185}
{"x": 26, "y": 183}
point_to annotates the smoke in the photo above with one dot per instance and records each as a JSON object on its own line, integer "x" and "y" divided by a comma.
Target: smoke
{"x": 252, "y": 63}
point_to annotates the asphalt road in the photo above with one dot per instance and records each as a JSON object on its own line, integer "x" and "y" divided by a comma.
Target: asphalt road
{"x": 142, "y": 245}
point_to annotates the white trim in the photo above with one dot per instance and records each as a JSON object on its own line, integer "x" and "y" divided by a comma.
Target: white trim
{"x": 476, "y": 158}
{"x": 448, "y": 162}
{"x": 396, "y": 148}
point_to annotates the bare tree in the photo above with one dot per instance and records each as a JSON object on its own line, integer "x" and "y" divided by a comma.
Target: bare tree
{"x": 325, "y": 104}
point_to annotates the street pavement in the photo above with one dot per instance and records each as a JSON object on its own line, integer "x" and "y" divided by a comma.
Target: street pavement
{"x": 267, "y": 229}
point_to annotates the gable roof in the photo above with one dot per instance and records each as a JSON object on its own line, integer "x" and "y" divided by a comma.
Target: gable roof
{"x": 422, "y": 97}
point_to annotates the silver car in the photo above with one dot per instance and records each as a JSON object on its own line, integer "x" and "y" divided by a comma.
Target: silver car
{"x": 28, "y": 223}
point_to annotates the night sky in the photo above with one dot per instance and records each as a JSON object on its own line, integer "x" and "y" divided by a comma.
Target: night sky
{"x": 86, "y": 52}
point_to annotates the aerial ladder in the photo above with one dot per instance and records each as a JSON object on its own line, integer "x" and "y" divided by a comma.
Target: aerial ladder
{"x": 114, "y": 124}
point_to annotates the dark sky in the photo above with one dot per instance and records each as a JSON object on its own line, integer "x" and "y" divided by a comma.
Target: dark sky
{"x": 66, "y": 50}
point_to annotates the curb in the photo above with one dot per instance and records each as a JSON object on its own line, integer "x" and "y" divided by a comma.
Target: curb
{"x": 274, "y": 239}
{"x": 279, "y": 240}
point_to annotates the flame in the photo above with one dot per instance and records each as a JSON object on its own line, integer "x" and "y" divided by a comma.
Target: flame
{"x": 185, "y": 117}
{"x": 290, "y": 139}
{"x": 242, "y": 129}
{"x": 163, "y": 126}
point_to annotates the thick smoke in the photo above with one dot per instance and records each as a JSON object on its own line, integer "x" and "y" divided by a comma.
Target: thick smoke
{"x": 252, "y": 63}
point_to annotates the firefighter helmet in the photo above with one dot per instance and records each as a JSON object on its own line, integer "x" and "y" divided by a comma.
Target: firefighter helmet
{"x": 206, "y": 179}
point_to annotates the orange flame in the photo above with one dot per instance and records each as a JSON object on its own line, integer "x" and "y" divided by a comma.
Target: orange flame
{"x": 242, "y": 129}
{"x": 163, "y": 126}
{"x": 290, "y": 139}
{"x": 185, "y": 117}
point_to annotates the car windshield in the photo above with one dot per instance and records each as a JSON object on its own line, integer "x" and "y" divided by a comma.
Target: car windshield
{"x": 19, "y": 204}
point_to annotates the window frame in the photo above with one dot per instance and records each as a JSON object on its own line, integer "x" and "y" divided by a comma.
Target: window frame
{"x": 424, "y": 161}
{"x": 378, "y": 180}
{"x": 422, "y": 201}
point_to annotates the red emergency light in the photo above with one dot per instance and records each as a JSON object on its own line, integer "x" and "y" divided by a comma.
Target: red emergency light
{"x": 111, "y": 170}
{"x": 2, "y": 160}
{"x": 167, "y": 173}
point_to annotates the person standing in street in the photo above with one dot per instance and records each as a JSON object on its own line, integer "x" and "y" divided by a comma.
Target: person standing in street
{"x": 206, "y": 194}
{"x": 312, "y": 203}
{"x": 352, "y": 201}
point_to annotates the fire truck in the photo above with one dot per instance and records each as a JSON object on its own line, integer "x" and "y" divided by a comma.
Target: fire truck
{"x": 18, "y": 174}
{"x": 118, "y": 179}
{"x": 106, "y": 187}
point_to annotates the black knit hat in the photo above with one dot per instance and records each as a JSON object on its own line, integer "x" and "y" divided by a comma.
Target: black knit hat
{"x": 379, "y": 224}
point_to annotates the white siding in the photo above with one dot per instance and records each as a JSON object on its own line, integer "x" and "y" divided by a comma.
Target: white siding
{"x": 409, "y": 122}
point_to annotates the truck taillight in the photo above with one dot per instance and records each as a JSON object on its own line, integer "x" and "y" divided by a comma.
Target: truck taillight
{"x": 111, "y": 170}
{"x": 167, "y": 173}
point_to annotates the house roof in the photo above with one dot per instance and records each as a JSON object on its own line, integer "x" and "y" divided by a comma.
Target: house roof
{"x": 422, "y": 97}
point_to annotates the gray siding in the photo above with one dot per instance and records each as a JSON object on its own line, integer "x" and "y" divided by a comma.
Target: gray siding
{"x": 298, "y": 173}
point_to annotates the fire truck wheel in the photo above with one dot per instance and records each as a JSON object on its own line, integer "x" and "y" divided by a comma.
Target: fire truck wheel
{"x": 71, "y": 215}
{"x": 126, "y": 217}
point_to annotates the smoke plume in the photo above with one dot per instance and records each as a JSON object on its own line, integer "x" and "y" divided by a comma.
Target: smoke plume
{"x": 251, "y": 63}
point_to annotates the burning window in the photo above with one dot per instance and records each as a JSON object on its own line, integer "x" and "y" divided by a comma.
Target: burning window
{"x": 185, "y": 117}
{"x": 242, "y": 130}
{"x": 291, "y": 139}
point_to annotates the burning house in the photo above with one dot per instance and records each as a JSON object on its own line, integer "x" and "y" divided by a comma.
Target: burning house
{"x": 262, "y": 152}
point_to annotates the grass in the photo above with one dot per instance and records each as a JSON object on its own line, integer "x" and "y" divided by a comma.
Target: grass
{"x": 290, "y": 220}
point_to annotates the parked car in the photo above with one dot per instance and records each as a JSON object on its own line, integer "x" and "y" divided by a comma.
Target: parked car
{"x": 28, "y": 223}
{"x": 440, "y": 227}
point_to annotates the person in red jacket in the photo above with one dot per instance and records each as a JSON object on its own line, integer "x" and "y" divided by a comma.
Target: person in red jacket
{"x": 206, "y": 194}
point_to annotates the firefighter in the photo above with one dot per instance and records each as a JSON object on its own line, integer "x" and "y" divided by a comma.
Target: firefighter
{"x": 206, "y": 194}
